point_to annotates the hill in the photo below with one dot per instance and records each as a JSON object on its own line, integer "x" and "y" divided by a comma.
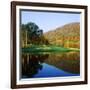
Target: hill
{"x": 66, "y": 36}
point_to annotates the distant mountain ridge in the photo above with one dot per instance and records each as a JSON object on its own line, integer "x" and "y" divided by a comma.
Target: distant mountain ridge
{"x": 67, "y": 29}
{"x": 69, "y": 33}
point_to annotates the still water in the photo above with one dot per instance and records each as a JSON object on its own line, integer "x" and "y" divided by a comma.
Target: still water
{"x": 50, "y": 64}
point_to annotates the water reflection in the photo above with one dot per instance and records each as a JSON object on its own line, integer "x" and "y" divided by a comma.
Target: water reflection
{"x": 33, "y": 63}
{"x": 69, "y": 62}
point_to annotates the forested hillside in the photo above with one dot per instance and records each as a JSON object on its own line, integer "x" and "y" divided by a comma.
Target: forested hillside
{"x": 65, "y": 36}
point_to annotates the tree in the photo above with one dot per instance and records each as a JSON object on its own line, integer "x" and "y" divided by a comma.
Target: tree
{"x": 23, "y": 35}
{"x": 32, "y": 34}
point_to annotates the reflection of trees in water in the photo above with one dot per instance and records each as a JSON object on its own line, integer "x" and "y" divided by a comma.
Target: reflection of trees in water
{"x": 69, "y": 62}
{"x": 31, "y": 64}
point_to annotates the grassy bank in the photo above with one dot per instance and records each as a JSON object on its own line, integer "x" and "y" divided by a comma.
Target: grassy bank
{"x": 47, "y": 48}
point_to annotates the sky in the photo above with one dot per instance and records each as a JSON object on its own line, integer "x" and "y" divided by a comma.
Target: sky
{"x": 49, "y": 20}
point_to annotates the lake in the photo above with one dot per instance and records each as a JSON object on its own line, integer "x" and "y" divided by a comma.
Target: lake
{"x": 43, "y": 65}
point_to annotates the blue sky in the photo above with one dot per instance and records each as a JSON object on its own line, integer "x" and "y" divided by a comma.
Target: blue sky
{"x": 48, "y": 20}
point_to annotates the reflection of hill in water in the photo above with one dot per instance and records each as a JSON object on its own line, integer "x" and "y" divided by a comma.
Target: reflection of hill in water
{"x": 69, "y": 62}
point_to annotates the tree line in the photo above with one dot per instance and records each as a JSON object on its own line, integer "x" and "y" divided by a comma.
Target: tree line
{"x": 31, "y": 34}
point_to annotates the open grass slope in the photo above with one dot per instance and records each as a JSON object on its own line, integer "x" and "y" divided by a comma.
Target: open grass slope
{"x": 47, "y": 48}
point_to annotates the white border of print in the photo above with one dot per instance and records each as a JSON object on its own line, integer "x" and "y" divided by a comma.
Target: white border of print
{"x": 56, "y": 79}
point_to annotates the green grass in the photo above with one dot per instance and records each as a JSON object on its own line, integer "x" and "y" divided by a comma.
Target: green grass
{"x": 47, "y": 48}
